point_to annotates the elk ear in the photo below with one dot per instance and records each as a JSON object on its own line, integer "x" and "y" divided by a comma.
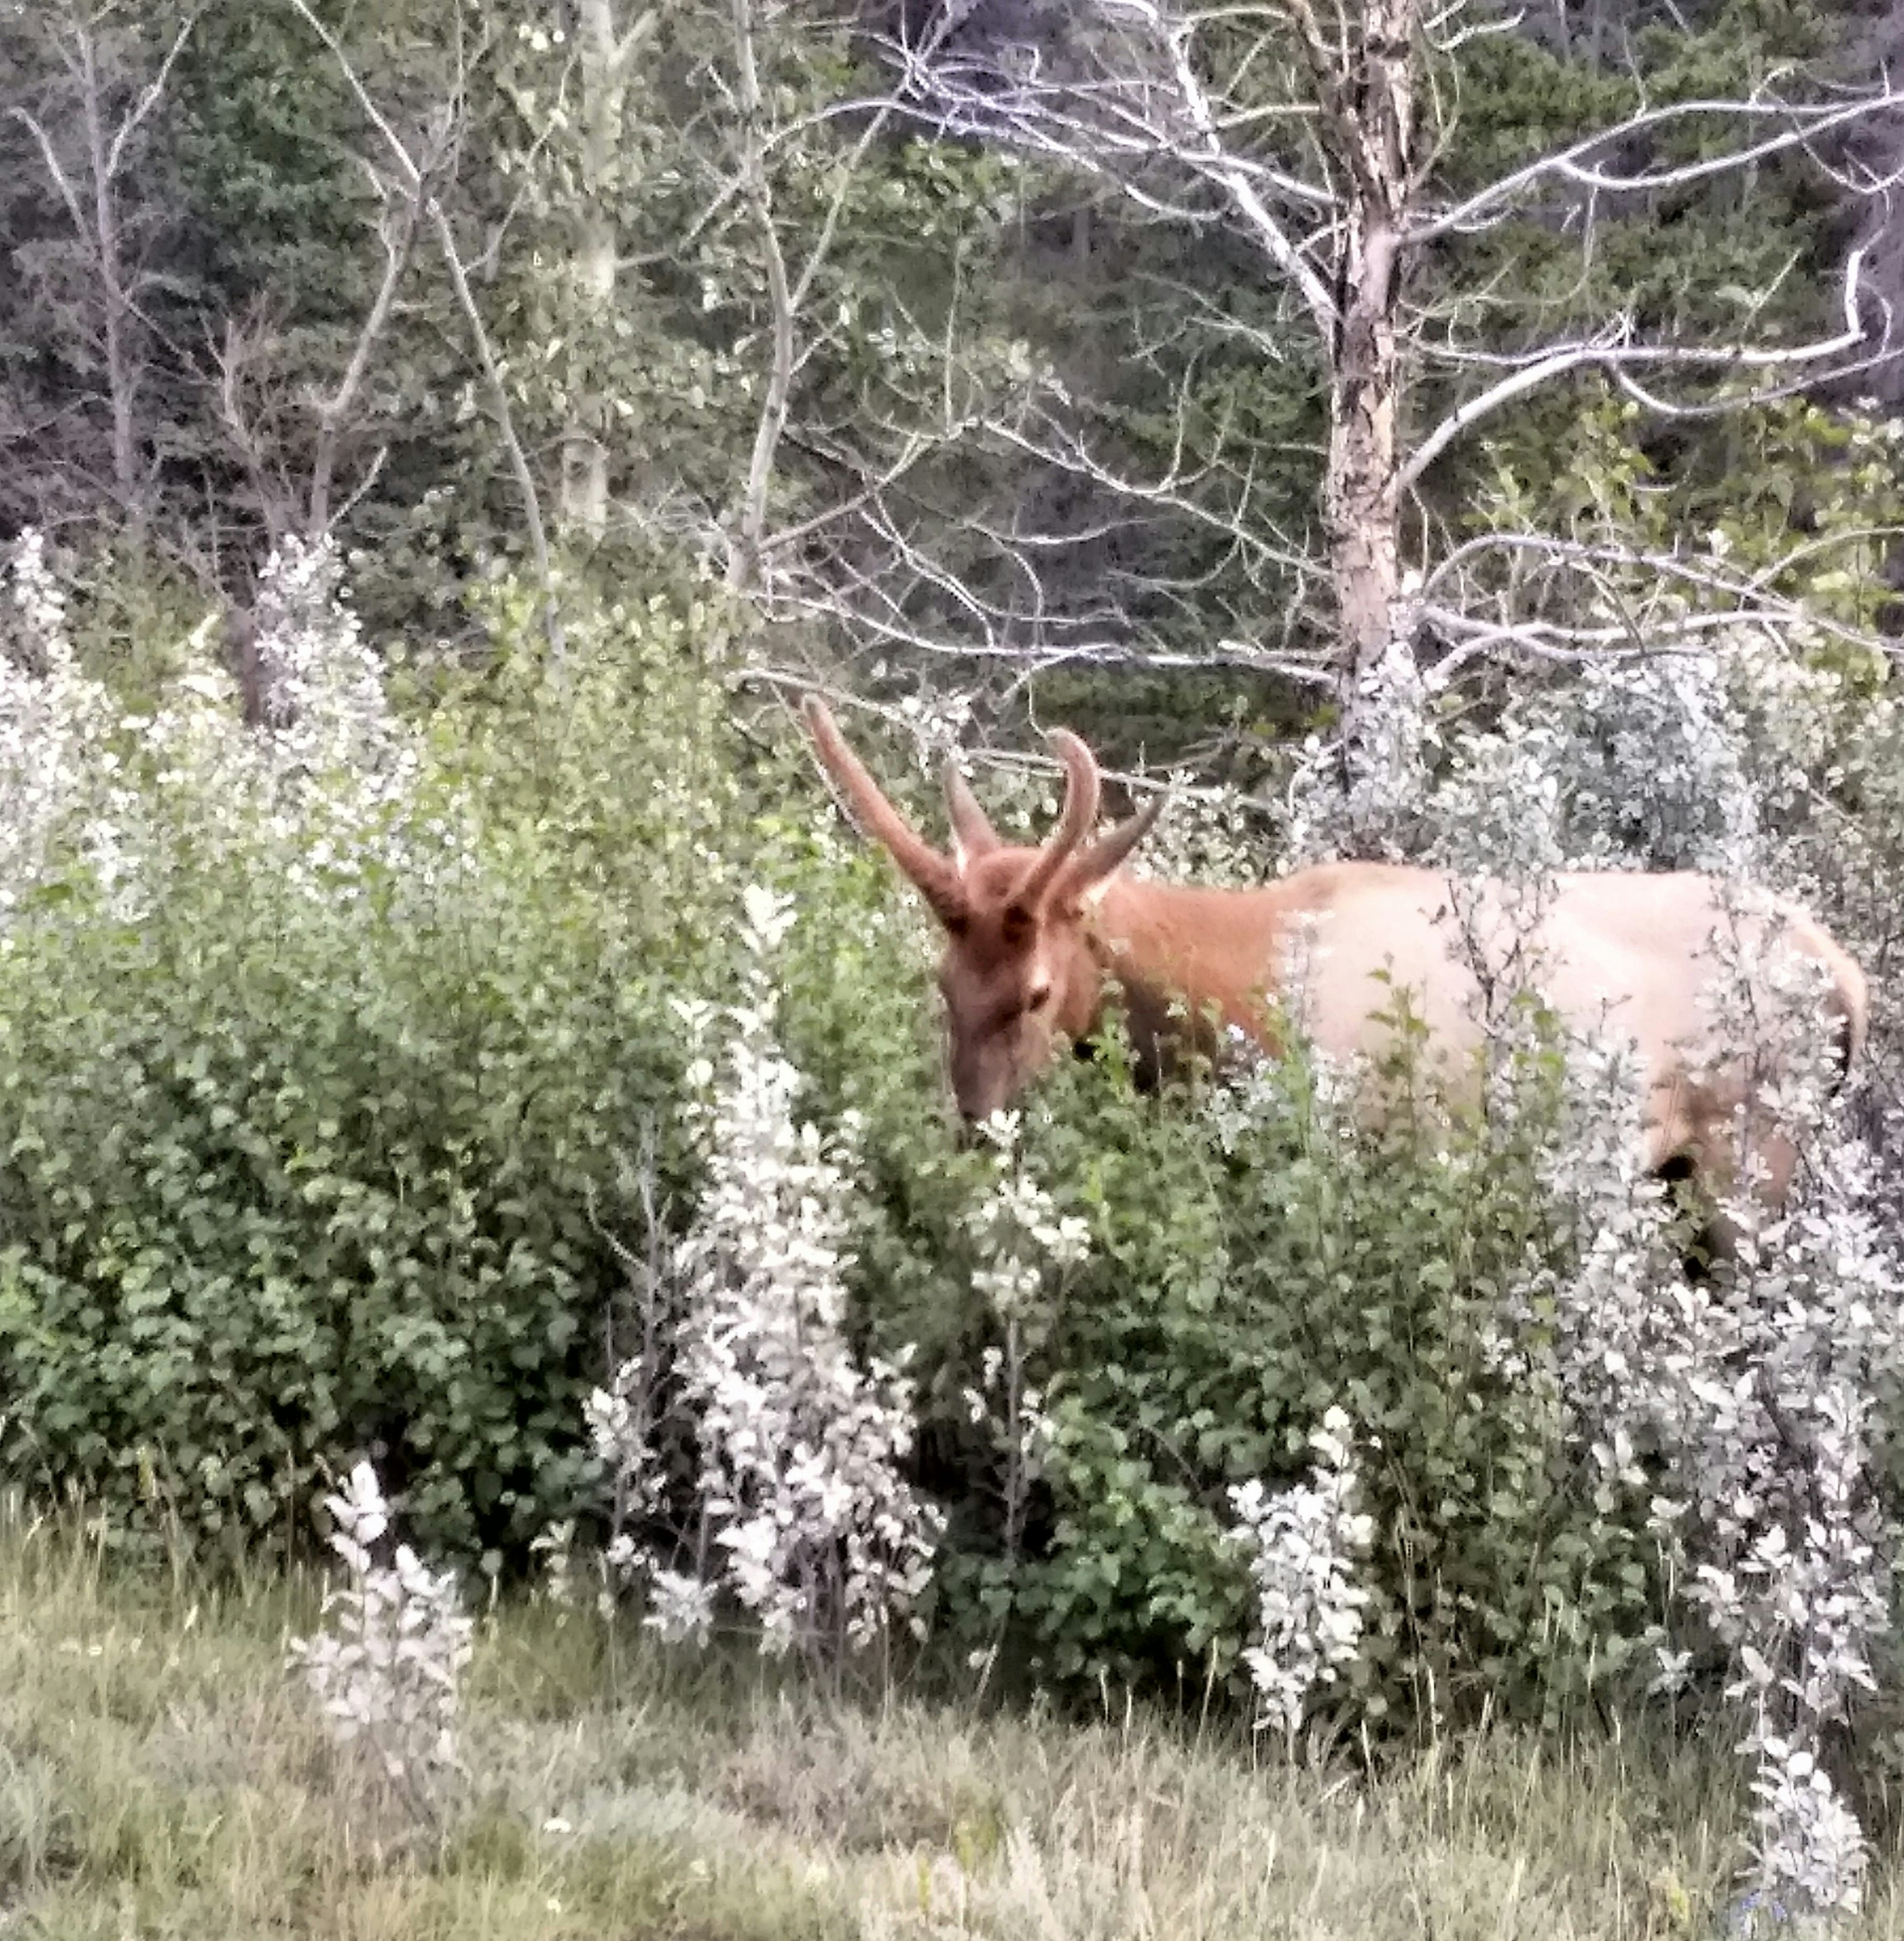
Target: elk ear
{"x": 1101, "y": 861}
{"x": 972, "y": 834}
{"x": 933, "y": 874}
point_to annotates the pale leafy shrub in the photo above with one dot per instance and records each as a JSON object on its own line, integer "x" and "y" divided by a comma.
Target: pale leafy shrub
{"x": 1654, "y": 764}
{"x": 1755, "y": 1392}
{"x": 1809, "y": 1850}
{"x": 1304, "y": 1543}
{"x": 1738, "y": 1410}
{"x": 387, "y": 1667}
{"x": 1021, "y": 1243}
{"x": 53, "y": 722}
{"x": 1706, "y": 760}
{"x": 1744, "y": 1405}
{"x": 1793, "y": 1550}
{"x": 1365, "y": 798}
{"x": 321, "y": 687}
{"x": 801, "y": 1509}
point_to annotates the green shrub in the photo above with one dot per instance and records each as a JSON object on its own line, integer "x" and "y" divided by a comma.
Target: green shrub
{"x": 304, "y": 1159}
{"x": 1252, "y": 1269}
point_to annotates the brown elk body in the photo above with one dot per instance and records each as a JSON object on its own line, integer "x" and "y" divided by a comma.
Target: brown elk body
{"x": 1035, "y": 938}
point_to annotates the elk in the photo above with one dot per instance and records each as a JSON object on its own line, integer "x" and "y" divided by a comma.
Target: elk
{"x": 1038, "y": 940}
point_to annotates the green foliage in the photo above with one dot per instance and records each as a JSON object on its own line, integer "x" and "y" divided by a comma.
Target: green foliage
{"x": 290, "y": 1175}
{"x": 1241, "y": 1285}
{"x": 1805, "y": 501}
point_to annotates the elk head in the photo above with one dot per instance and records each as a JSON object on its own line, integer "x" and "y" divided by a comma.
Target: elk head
{"x": 1018, "y": 974}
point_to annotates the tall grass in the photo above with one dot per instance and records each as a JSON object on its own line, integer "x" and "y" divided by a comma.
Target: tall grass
{"x": 161, "y": 1774}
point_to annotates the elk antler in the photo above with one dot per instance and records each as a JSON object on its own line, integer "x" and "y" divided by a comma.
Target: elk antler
{"x": 972, "y": 830}
{"x": 1103, "y": 857}
{"x": 1080, "y": 811}
{"x": 937, "y": 880}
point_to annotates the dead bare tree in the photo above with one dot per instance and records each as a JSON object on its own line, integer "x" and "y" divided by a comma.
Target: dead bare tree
{"x": 1312, "y": 132}
{"x": 87, "y": 142}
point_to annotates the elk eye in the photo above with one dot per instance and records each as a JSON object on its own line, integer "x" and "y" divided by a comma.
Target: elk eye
{"x": 1040, "y": 996}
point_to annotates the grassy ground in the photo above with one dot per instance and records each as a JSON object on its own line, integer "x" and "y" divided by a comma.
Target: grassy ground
{"x": 161, "y": 1775}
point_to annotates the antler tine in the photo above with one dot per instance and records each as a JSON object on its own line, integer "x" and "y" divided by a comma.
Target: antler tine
{"x": 1080, "y": 814}
{"x": 933, "y": 873}
{"x": 971, "y": 827}
{"x": 1103, "y": 857}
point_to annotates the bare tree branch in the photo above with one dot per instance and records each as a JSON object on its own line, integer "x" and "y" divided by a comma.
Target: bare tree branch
{"x": 399, "y": 231}
{"x": 1619, "y": 358}
{"x": 1572, "y": 165}
{"x": 149, "y": 98}
{"x": 415, "y": 179}
{"x": 744, "y": 558}
{"x": 1309, "y": 128}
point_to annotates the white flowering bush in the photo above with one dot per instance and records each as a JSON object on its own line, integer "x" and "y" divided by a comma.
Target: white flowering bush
{"x": 1021, "y": 1242}
{"x": 1365, "y": 798}
{"x": 801, "y": 1511}
{"x": 1739, "y": 1407}
{"x": 53, "y": 724}
{"x": 1304, "y": 1543}
{"x": 386, "y": 1668}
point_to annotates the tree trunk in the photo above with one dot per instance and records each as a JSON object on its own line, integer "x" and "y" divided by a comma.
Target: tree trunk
{"x": 121, "y": 366}
{"x": 1372, "y": 115}
{"x": 747, "y": 538}
{"x": 1361, "y": 500}
{"x": 584, "y": 451}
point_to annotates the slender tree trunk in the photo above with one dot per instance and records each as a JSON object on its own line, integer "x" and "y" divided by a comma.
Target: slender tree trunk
{"x": 745, "y": 541}
{"x": 121, "y": 372}
{"x": 1370, "y": 97}
{"x": 334, "y": 412}
{"x": 1360, "y": 499}
{"x": 602, "y": 69}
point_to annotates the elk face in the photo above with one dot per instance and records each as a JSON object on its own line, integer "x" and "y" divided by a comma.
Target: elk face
{"x": 1018, "y": 976}
{"x": 1017, "y": 979}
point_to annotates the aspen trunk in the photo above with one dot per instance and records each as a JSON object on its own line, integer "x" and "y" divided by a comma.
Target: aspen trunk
{"x": 746, "y": 540}
{"x": 121, "y": 364}
{"x": 584, "y": 449}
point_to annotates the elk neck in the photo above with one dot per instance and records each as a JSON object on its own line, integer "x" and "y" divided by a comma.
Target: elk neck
{"x": 1208, "y": 949}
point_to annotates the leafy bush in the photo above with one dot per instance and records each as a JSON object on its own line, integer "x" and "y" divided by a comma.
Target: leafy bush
{"x": 312, "y": 1100}
{"x": 1259, "y": 1263}
{"x": 742, "y": 1401}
